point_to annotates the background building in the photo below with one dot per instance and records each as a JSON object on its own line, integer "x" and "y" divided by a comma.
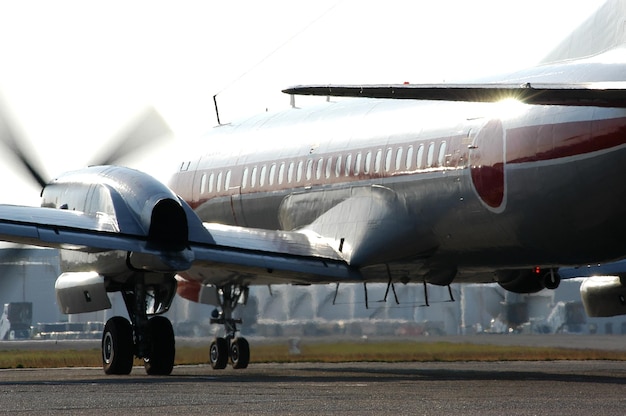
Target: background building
{"x": 29, "y": 274}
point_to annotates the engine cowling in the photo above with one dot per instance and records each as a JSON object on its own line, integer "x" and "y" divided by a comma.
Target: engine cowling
{"x": 134, "y": 204}
{"x": 81, "y": 292}
{"x": 604, "y": 296}
{"x": 528, "y": 280}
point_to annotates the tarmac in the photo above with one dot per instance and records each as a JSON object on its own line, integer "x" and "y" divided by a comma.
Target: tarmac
{"x": 460, "y": 388}
{"x": 469, "y": 388}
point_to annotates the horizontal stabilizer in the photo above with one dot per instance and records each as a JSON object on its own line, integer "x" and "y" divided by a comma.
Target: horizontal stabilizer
{"x": 598, "y": 94}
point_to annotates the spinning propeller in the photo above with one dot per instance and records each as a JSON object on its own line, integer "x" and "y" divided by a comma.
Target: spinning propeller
{"x": 143, "y": 131}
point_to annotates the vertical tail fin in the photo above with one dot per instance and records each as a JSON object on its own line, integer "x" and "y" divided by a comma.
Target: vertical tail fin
{"x": 604, "y": 30}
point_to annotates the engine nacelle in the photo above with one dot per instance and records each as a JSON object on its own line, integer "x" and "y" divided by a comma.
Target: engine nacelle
{"x": 520, "y": 281}
{"x": 604, "y": 296}
{"x": 528, "y": 280}
{"x": 81, "y": 292}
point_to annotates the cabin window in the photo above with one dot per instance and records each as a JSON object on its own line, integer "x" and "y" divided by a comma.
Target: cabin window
{"x": 309, "y": 169}
{"x": 262, "y": 175}
{"x": 290, "y": 172}
{"x": 253, "y": 177}
{"x": 409, "y": 157}
{"x": 338, "y": 167}
{"x": 203, "y": 183}
{"x": 211, "y": 179}
{"x": 399, "y": 159}
{"x": 319, "y": 168}
{"x": 227, "y": 181}
{"x": 377, "y": 160}
{"x": 420, "y": 157}
{"x": 368, "y": 161}
{"x": 388, "y": 159}
{"x": 357, "y": 164}
{"x": 244, "y": 179}
{"x": 270, "y": 179}
{"x": 442, "y": 153}
{"x": 348, "y": 163}
{"x": 329, "y": 165}
{"x": 281, "y": 173}
{"x": 219, "y": 182}
{"x": 431, "y": 155}
{"x": 299, "y": 171}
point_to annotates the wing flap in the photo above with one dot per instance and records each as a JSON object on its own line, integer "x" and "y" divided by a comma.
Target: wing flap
{"x": 255, "y": 256}
{"x": 598, "y": 94}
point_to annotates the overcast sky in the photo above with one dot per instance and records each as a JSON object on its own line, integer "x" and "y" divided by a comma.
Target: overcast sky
{"x": 73, "y": 73}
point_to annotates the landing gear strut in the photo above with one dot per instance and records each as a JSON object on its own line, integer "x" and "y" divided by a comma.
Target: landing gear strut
{"x": 149, "y": 336}
{"x": 230, "y": 346}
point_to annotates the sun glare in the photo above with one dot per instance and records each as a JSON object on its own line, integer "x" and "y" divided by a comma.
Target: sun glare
{"x": 509, "y": 108}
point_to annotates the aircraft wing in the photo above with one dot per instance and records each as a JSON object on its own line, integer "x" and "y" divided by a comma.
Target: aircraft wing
{"x": 215, "y": 253}
{"x": 57, "y": 228}
{"x": 255, "y": 256}
{"x": 598, "y": 94}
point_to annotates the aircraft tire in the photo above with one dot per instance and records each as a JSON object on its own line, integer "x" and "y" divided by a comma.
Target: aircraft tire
{"x": 162, "y": 347}
{"x": 117, "y": 346}
{"x": 218, "y": 353}
{"x": 239, "y": 353}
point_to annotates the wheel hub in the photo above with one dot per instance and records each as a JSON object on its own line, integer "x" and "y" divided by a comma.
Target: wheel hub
{"x": 107, "y": 350}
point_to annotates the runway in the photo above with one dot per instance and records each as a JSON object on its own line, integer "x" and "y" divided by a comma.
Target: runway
{"x": 496, "y": 388}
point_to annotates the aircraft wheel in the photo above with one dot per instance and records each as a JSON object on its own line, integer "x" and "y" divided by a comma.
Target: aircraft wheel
{"x": 218, "y": 353}
{"x": 117, "y": 346}
{"x": 162, "y": 347}
{"x": 239, "y": 353}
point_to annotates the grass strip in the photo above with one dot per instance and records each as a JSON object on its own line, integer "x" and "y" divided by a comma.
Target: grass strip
{"x": 405, "y": 351}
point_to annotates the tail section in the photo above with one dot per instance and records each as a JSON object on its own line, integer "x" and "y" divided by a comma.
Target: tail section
{"x": 604, "y": 30}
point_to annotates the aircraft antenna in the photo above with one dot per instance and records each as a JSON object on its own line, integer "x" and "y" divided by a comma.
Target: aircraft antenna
{"x": 274, "y": 51}
{"x": 217, "y": 111}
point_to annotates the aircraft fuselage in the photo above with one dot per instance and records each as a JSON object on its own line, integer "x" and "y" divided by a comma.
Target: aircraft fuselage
{"x": 475, "y": 186}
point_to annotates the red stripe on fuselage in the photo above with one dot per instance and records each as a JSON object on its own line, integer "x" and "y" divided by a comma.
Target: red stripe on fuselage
{"x": 525, "y": 144}
{"x": 554, "y": 141}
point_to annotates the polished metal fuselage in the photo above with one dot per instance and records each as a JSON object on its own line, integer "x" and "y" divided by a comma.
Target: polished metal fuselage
{"x": 474, "y": 187}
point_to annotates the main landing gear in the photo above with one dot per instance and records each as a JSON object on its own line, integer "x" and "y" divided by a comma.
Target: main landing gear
{"x": 149, "y": 337}
{"x": 230, "y": 346}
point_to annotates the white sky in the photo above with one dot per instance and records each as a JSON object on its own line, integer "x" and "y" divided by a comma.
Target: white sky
{"x": 74, "y": 72}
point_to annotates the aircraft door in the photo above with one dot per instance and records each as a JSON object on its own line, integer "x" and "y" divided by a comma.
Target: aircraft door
{"x": 487, "y": 165}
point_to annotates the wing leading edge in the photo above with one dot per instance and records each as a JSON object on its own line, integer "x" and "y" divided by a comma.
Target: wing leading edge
{"x": 597, "y": 94}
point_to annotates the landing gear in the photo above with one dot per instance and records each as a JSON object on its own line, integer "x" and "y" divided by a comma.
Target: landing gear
{"x": 239, "y": 353}
{"x": 218, "y": 353}
{"x": 160, "y": 358}
{"x": 149, "y": 336}
{"x": 237, "y": 349}
{"x": 117, "y": 346}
